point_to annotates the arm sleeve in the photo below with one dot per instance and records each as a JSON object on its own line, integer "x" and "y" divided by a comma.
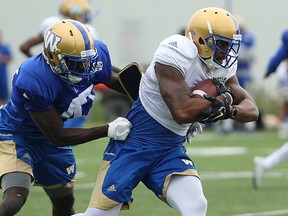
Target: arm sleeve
{"x": 103, "y": 63}
{"x": 281, "y": 54}
{"x": 176, "y": 51}
{"x": 274, "y": 62}
{"x": 31, "y": 94}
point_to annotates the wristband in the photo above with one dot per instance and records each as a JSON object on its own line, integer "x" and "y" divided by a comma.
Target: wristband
{"x": 234, "y": 112}
{"x": 225, "y": 98}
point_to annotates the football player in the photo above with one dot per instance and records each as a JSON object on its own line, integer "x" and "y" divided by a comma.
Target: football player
{"x": 48, "y": 89}
{"x": 5, "y": 59}
{"x": 277, "y": 63}
{"x": 154, "y": 151}
{"x": 72, "y": 9}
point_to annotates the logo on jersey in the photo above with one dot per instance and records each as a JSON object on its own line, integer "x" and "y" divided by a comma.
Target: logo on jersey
{"x": 174, "y": 44}
{"x": 51, "y": 41}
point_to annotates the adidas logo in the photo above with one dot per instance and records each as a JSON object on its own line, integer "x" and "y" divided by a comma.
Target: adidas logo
{"x": 174, "y": 43}
{"x": 27, "y": 156}
{"x": 111, "y": 188}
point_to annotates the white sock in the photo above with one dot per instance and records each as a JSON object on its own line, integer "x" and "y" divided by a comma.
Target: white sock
{"x": 276, "y": 157}
{"x": 100, "y": 212}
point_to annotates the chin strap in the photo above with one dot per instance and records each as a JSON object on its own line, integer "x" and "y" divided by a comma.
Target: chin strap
{"x": 211, "y": 65}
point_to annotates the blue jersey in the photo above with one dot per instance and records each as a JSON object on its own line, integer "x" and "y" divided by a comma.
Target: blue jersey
{"x": 245, "y": 59}
{"x": 37, "y": 88}
{"x": 279, "y": 56}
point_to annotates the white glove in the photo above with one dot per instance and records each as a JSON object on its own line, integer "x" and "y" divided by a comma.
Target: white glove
{"x": 193, "y": 130}
{"x": 119, "y": 128}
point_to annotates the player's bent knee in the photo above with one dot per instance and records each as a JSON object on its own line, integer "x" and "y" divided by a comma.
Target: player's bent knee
{"x": 62, "y": 199}
{"x": 185, "y": 194}
{"x": 198, "y": 205}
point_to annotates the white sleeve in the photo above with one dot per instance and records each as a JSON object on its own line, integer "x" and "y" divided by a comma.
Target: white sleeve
{"x": 176, "y": 51}
{"x": 93, "y": 31}
{"x": 46, "y": 23}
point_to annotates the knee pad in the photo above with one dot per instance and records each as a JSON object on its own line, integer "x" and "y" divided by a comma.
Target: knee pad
{"x": 58, "y": 192}
{"x": 16, "y": 179}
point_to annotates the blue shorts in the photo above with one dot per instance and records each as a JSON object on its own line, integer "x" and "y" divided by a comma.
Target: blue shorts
{"x": 130, "y": 166}
{"x": 151, "y": 154}
{"x": 52, "y": 166}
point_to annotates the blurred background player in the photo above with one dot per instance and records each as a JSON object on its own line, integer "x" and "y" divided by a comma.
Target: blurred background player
{"x": 277, "y": 63}
{"x": 246, "y": 58}
{"x": 5, "y": 59}
{"x": 72, "y": 9}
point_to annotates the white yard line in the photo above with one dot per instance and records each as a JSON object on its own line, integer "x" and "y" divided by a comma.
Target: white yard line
{"x": 210, "y": 176}
{"x": 266, "y": 213}
{"x": 209, "y": 151}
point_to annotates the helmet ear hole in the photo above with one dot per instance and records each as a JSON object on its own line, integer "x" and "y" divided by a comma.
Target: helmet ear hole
{"x": 50, "y": 55}
{"x": 201, "y": 41}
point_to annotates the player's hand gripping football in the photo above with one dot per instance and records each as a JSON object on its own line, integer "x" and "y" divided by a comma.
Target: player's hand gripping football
{"x": 119, "y": 128}
{"x": 222, "y": 89}
{"x": 217, "y": 111}
{"x": 193, "y": 130}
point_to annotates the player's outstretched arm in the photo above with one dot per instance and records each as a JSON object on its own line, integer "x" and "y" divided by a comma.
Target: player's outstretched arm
{"x": 51, "y": 125}
{"x": 25, "y": 48}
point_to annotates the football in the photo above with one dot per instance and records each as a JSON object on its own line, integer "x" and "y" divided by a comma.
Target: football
{"x": 204, "y": 87}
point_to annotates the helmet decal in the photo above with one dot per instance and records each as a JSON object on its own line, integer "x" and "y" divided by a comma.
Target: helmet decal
{"x": 51, "y": 41}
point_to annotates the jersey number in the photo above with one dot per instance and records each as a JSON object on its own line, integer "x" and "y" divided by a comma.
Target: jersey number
{"x": 75, "y": 108}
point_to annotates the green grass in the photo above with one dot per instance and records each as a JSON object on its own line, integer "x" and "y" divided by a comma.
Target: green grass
{"x": 226, "y": 196}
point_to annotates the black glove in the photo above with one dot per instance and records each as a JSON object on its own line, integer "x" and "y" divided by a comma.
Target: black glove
{"x": 217, "y": 111}
{"x": 222, "y": 89}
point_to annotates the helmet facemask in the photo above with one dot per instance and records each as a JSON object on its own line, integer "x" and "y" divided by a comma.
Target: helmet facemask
{"x": 76, "y": 68}
{"x": 223, "y": 46}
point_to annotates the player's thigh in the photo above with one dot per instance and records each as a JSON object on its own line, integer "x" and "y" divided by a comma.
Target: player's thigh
{"x": 185, "y": 194}
{"x": 119, "y": 176}
{"x": 175, "y": 162}
{"x": 9, "y": 163}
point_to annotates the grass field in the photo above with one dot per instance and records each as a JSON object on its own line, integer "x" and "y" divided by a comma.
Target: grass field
{"x": 224, "y": 163}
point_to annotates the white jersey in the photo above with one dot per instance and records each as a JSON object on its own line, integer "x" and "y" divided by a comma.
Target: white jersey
{"x": 48, "y": 22}
{"x": 51, "y": 20}
{"x": 181, "y": 53}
